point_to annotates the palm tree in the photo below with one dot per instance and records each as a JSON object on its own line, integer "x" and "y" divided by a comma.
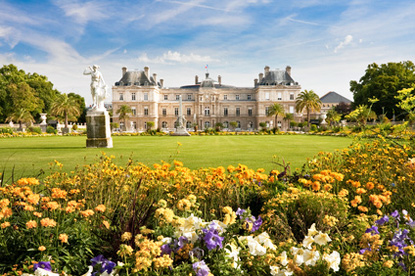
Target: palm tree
{"x": 308, "y": 100}
{"x": 288, "y": 117}
{"x": 276, "y": 109}
{"x": 65, "y": 106}
{"x": 332, "y": 116}
{"x": 123, "y": 112}
{"x": 21, "y": 116}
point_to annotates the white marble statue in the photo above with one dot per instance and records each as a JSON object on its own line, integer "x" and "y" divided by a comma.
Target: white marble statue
{"x": 98, "y": 87}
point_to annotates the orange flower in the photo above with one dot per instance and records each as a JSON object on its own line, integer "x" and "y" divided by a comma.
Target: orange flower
{"x": 63, "y": 238}
{"x": 4, "y": 202}
{"x": 106, "y": 224}
{"x": 360, "y": 191}
{"x": 58, "y": 193}
{"x": 33, "y": 199}
{"x": 5, "y": 224}
{"x": 42, "y": 248}
{"x": 362, "y": 209}
{"x": 31, "y": 224}
{"x": 100, "y": 208}
{"x": 316, "y": 186}
{"x": 87, "y": 213}
{"x": 6, "y": 212}
{"x": 328, "y": 187}
{"x": 37, "y": 214}
{"x": 53, "y": 205}
{"x": 47, "y": 222}
{"x": 370, "y": 185}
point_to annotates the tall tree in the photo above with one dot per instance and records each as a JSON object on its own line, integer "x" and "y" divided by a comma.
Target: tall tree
{"x": 123, "y": 113}
{"x": 383, "y": 82}
{"x": 82, "y": 106}
{"x": 275, "y": 110}
{"x": 308, "y": 100}
{"x": 65, "y": 106}
{"x": 21, "y": 116}
{"x": 332, "y": 116}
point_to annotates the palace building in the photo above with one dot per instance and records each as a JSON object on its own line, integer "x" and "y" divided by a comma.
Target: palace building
{"x": 204, "y": 103}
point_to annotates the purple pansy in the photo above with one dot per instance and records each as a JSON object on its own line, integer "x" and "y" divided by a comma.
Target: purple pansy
{"x": 373, "y": 230}
{"x": 201, "y": 268}
{"x": 212, "y": 239}
{"x": 382, "y": 220}
{"x": 240, "y": 211}
{"x": 43, "y": 265}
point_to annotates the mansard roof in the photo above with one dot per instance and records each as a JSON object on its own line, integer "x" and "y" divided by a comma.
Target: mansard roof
{"x": 276, "y": 77}
{"x": 207, "y": 82}
{"x": 138, "y": 78}
{"x": 333, "y": 97}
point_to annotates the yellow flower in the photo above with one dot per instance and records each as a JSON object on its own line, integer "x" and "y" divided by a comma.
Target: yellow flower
{"x": 87, "y": 213}
{"x": 388, "y": 264}
{"x": 47, "y": 222}
{"x": 125, "y": 250}
{"x": 5, "y": 224}
{"x": 126, "y": 236}
{"x": 31, "y": 224}
{"x": 184, "y": 205}
{"x": 106, "y": 224}
{"x": 63, "y": 238}
{"x": 42, "y": 248}
{"x": 100, "y": 208}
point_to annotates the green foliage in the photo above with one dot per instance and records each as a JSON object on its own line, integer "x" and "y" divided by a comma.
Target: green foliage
{"x": 308, "y": 100}
{"x": 8, "y": 130}
{"x": 361, "y": 115}
{"x": 74, "y": 127}
{"x": 275, "y": 110}
{"x": 150, "y": 125}
{"x": 123, "y": 113}
{"x": 33, "y": 129}
{"x": 51, "y": 130}
{"x": 65, "y": 106}
{"x": 114, "y": 125}
{"x": 383, "y": 82}
{"x": 313, "y": 128}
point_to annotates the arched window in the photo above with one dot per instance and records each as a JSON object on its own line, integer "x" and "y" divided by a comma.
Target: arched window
{"x": 250, "y": 125}
{"x": 238, "y": 124}
{"x": 207, "y": 124}
{"x": 188, "y": 124}
{"x": 164, "y": 124}
{"x": 226, "y": 124}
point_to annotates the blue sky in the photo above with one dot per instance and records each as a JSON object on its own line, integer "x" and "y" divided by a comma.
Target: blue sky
{"x": 326, "y": 42}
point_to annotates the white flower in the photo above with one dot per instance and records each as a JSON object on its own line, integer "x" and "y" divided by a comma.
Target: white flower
{"x": 166, "y": 240}
{"x": 264, "y": 239}
{"x": 322, "y": 238}
{"x": 232, "y": 251}
{"x": 218, "y": 225}
{"x": 308, "y": 241}
{"x": 311, "y": 257}
{"x": 312, "y": 231}
{"x": 298, "y": 255}
{"x": 275, "y": 270}
{"x": 90, "y": 269}
{"x": 333, "y": 260}
{"x": 43, "y": 272}
{"x": 255, "y": 248}
{"x": 284, "y": 260}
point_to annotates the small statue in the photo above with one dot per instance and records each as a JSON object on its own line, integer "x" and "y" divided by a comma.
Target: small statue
{"x": 98, "y": 87}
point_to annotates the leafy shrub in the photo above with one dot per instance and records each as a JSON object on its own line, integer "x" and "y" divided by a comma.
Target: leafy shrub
{"x": 33, "y": 129}
{"x": 75, "y": 127}
{"x": 8, "y": 130}
{"x": 313, "y": 127}
{"x": 51, "y": 130}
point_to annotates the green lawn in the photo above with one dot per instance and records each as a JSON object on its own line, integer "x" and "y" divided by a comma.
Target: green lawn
{"x": 23, "y": 157}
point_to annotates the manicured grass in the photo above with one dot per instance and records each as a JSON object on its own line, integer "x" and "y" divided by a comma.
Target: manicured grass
{"x": 22, "y": 157}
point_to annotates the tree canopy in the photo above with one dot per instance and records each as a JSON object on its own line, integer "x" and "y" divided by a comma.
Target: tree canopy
{"x": 308, "y": 100}
{"x": 383, "y": 82}
{"x": 31, "y": 92}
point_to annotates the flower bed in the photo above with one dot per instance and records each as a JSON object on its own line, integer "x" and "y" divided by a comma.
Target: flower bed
{"x": 346, "y": 213}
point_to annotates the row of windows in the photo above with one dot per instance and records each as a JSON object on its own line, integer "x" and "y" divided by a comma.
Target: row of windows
{"x": 189, "y": 97}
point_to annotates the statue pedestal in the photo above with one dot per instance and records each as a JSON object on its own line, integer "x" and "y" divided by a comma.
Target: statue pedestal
{"x": 98, "y": 129}
{"x": 43, "y": 127}
{"x": 180, "y": 131}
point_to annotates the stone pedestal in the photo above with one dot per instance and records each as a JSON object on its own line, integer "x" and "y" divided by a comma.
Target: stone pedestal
{"x": 180, "y": 131}
{"x": 98, "y": 129}
{"x": 43, "y": 127}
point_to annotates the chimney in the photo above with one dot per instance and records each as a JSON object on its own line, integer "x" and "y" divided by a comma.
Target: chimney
{"x": 220, "y": 80}
{"x": 255, "y": 82}
{"x": 146, "y": 71}
{"x": 161, "y": 83}
{"x": 155, "y": 78}
{"x": 261, "y": 76}
{"x": 266, "y": 70}
{"x": 196, "y": 79}
{"x": 288, "y": 70}
{"x": 124, "y": 70}
{"x": 207, "y": 75}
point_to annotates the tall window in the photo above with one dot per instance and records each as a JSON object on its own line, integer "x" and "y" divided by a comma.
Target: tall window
{"x": 189, "y": 111}
{"x": 266, "y": 110}
{"x": 207, "y": 111}
{"x": 236, "y": 97}
{"x": 267, "y": 96}
{"x": 133, "y": 96}
{"x": 145, "y": 111}
{"x": 238, "y": 111}
{"x": 291, "y": 96}
{"x": 121, "y": 97}
{"x": 166, "y": 97}
{"x": 189, "y": 96}
{"x": 177, "y": 97}
{"x": 133, "y": 111}
{"x": 238, "y": 124}
{"x": 176, "y": 111}
{"x": 225, "y": 124}
{"x": 188, "y": 124}
{"x": 146, "y": 96}
{"x": 249, "y": 97}
{"x": 225, "y": 111}
{"x": 225, "y": 97}
{"x": 207, "y": 124}
{"x": 164, "y": 124}
{"x": 164, "y": 112}
{"x": 291, "y": 109}
{"x": 249, "y": 111}
{"x": 279, "y": 98}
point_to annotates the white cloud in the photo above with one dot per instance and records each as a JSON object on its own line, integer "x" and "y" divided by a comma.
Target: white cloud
{"x": 83, "y": 12}
{"x": 347, "y": 40}
{"x": 175, "y": 57}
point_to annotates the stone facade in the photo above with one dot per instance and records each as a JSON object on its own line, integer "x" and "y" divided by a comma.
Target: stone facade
{"x": 205, "y": 102}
